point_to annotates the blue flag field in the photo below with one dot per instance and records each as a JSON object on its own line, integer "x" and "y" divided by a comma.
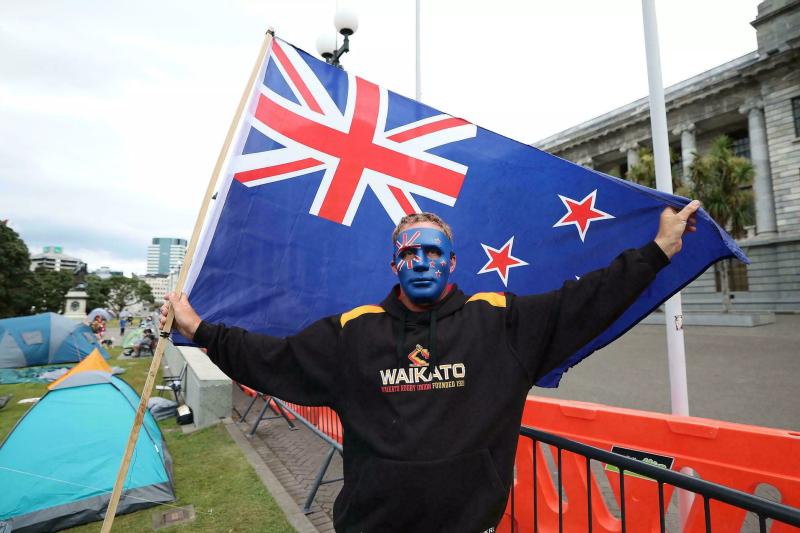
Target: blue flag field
{"x": 326, "y": 163}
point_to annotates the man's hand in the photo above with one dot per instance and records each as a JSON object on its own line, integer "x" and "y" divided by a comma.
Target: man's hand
{"x": 186, "y": 319}
{"x": 673, "y": 225}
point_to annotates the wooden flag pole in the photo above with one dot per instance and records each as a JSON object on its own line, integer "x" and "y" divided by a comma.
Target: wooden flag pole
{"x": 151, "y": 376}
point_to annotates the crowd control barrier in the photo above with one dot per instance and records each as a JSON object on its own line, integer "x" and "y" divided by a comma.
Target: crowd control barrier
{"x": 269, "y": 402}
{"x": 322, "y": 421}
{"x": 576, "y": 486}
{"x": 326, "y": 424}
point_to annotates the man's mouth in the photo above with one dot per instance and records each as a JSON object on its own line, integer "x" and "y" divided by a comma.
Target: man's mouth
{"x": 423, "y": 282}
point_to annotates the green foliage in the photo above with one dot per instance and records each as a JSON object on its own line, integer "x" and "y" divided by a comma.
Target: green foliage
{"x": 644, "y": 173}
{"x": 717, "y": 181}
{"x": 98, "y": 291}
{"x": 14, "y": 273}
{"x": 48, "y": 288}
{"x": 124, "y": 291}
{"x": 117, "y": 292}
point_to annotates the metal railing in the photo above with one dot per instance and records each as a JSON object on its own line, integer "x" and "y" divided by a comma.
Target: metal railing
{"x": 322, "y": 421}
{"x": 764, "y": 509}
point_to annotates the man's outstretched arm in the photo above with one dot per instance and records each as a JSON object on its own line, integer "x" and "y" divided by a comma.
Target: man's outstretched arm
{"x": 546, "y": 329}
{"x": 301, "y": 368}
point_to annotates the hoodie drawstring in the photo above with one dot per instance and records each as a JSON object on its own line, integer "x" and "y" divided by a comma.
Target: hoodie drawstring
{"x": 432, "y": 336}
{"x": 401, "y": 339}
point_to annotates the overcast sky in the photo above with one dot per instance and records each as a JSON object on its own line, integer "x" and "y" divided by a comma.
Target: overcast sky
{"x": 112, "y": 112}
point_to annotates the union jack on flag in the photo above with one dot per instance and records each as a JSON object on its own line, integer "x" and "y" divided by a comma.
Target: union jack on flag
{"x": 326, "y": 163}
{"x": 351, "y": 146}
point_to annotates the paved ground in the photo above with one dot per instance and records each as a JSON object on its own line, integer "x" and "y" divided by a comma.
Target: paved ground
{"x": 294, "y": 458}
{"x": 745, "y": 375}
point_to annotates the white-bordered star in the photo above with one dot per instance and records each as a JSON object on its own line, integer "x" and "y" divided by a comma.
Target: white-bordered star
{"x": 500, "y": 260}
{"x": 582, "y": 213}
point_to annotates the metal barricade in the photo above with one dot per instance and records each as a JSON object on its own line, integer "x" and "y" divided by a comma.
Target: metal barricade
{"x": 525, "y": 503}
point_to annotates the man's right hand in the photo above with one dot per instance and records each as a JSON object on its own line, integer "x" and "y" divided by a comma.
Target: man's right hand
{"x": 185, "y": 320}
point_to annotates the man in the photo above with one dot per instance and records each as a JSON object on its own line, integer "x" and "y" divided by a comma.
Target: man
{"x": 148, "y": 341}
{"x": 430, "y": 385}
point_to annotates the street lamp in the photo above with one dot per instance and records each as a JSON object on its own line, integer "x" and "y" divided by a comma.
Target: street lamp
{"x": 346, "y": 23}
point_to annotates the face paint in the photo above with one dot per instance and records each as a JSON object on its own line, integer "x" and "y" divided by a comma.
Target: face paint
{"x": 422, "y": 259}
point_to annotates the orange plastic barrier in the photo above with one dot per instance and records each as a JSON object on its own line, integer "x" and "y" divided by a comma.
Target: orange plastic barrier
{"x": 324, "y": 418}
{"x": 247, "y": 390}
{"x": 252, "y": 393}
{"x": 735, "y": 455}
{"x": 329, "y": 423}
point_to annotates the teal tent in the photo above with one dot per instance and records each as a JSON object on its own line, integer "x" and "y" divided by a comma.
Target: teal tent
{"x": 45, "y": 339}
{"x": 59, "y": 464}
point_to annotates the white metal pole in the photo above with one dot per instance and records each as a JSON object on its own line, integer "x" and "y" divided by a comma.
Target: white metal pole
{"x": 418, "y": 92}
{"x": 673, "y": 311}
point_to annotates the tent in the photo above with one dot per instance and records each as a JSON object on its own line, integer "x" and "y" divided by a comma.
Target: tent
{"x": 132, "y": 337}
{"x": 59, "y": 463}
{"x": 45, "y": 339}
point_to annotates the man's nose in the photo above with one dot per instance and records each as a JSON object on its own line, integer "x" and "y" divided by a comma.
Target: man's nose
{"x": 421, "y": 265}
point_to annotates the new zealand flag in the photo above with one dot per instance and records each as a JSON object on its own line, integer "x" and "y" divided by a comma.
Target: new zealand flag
{"x": 326, "y": 164}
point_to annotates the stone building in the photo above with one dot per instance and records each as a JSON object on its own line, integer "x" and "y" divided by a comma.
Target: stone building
{"x": 754, "y": 100}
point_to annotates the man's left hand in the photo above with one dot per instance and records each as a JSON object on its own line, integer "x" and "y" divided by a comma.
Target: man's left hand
{"x": 673, "y": 225}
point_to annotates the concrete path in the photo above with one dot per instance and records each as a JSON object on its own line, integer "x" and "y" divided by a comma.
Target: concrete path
{"x": 744, "y": 375}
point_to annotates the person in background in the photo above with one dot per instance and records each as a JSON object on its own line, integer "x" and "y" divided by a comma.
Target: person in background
{"x": 148, "y": 341}
{"x": 122, "y": 326}
{"x": 98, "y": 326}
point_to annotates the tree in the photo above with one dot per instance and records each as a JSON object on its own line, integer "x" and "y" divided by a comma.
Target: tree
{"x": 127, "y": 291}
{"x": 47, "y": 289}
{"x": 718, "y": 180}
{"x": 14, "y": 273}
{"x": 98, "y": 291}
{"x": 644, "y": 172}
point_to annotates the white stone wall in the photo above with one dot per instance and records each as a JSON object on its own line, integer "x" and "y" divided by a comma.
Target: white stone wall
{"x": 784, "y": 146}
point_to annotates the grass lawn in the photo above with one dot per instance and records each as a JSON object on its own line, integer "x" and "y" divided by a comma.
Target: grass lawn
{"x": 209, "y": 470}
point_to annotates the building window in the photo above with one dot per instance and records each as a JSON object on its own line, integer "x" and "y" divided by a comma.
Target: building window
{"x": 740, "y": 143}
{"x": 796, "y": 115}
{"x": 737, "y": 275}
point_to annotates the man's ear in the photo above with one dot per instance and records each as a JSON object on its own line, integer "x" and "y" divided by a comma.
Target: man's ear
{"x": 452, "y": 262}
{"x": 394, "y": 268}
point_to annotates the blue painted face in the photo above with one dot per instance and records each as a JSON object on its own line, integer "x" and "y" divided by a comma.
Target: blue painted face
{"x": 422, "y": 259}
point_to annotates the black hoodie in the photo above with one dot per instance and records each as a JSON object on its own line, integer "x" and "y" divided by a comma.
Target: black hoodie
{"x": 431, "y": 402}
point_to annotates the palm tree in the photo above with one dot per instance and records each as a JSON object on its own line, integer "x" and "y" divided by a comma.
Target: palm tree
{"x": 644, "y": 172}
{"x": 718, "y": 180}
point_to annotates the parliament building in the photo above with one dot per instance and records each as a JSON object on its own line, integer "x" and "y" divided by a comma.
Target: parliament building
{"x": 755, "y": 101}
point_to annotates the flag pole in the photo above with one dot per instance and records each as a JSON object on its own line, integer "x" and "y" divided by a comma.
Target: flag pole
{"x": 418, "y": 82}
{"x": 673, "y": 309}
{"x": 162, "y": 341}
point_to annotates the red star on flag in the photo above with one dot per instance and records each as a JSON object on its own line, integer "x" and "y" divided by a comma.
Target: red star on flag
{"x": 582, "y": 213}
{"x": 500, "y": 260}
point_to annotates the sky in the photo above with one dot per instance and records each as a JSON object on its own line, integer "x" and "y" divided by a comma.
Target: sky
{"x": 112, "y": 113}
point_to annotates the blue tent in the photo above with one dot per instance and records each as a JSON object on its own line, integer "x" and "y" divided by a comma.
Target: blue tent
{"x": 59, "y": 464}
{"x": 44, "y": 339}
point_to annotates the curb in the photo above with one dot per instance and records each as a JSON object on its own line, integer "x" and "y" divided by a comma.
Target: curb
{"x": 294, "y": 515}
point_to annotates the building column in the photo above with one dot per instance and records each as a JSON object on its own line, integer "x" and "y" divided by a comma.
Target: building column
{"x": 587, "y": 162}
{"x": 688, "y": 149}
{"x": 759, "y": 156}
{"x": 631, "y": 151}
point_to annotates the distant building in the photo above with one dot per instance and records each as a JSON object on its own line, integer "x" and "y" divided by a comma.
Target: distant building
{"x": 164, "y": 254}
{"x": 106, "y": 273}
{"x": 754, "y": 100}
{"x": 54, "y": 258}
{"x": 159, "y": 284}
